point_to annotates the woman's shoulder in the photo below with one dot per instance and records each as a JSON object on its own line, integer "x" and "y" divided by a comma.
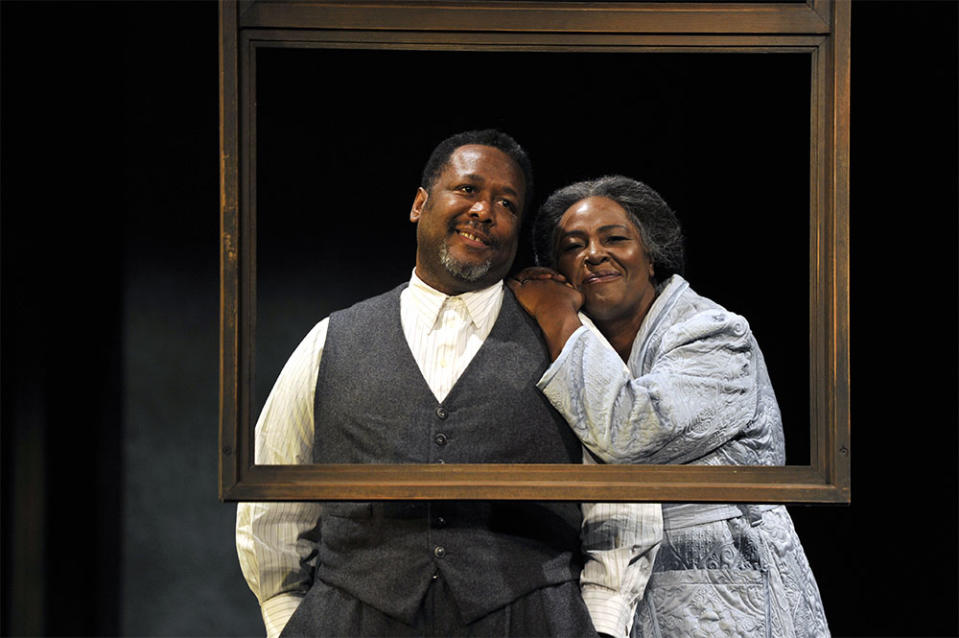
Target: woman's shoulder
{"x": 691, "y": 316}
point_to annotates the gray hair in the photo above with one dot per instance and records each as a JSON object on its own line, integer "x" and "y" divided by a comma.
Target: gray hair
{"x": 656, "y": 222}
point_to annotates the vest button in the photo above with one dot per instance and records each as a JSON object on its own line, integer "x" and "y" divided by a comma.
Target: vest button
{"x": 439, "y": 551}
{"x": 436, "y": 576}
{"x": 439, "y": 521}
{"x": 441, "y": 412}
{"x": 440, "y": 439}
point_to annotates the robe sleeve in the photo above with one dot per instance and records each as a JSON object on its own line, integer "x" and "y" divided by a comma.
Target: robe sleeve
{"x": 699, "y": 392}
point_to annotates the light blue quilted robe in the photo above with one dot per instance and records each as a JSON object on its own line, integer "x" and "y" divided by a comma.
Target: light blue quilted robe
{"x": 695, "y": 391}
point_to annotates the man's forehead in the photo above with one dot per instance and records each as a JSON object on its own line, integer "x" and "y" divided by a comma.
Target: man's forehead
{"x": 476, "y": 153}
{"x": 478, "y": 159}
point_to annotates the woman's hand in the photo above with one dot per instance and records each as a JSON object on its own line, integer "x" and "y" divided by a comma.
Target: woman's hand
{"x": 543, "y": 292}
{"x": 551, "y": 301}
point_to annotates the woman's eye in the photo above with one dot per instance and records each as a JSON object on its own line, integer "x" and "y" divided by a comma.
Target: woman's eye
{"x": 571, "y": 247}
{"x": 615, "y": 238}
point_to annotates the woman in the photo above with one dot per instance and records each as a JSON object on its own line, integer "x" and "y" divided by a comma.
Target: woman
{"x": 664, "y": 375}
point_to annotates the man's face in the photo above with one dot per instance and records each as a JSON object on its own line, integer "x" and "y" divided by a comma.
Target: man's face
{"x": 467, "y": 226}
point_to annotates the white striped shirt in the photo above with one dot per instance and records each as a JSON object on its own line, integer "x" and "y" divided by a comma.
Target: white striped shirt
{"x": 276, "y": 541}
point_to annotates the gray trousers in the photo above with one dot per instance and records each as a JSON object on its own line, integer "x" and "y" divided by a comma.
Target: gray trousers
{"x": 557, "y": 610}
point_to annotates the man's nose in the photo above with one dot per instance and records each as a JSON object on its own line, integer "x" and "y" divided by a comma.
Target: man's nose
{"x": 481, "y": 209}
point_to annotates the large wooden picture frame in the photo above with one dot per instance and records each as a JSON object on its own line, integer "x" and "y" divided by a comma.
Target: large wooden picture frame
{"x": 818, "y": 28}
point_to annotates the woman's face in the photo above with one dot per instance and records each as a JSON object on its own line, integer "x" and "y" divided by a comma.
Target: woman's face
{"x": 600, "y": 252}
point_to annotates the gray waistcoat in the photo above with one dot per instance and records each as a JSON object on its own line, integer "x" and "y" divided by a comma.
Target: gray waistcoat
{"x": 374, "y": 406}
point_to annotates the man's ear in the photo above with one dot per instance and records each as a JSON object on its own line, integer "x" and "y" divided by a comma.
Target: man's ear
{"x": 418, "y": 203}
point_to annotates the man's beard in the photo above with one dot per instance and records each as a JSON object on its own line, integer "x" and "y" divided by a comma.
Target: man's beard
{"x": 461, "y": 271}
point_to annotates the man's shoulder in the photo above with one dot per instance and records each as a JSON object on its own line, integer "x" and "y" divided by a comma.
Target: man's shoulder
{"x": 370, "y": 305}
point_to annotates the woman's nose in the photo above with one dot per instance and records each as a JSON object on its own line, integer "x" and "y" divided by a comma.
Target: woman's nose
{"x": 594, "y": 253}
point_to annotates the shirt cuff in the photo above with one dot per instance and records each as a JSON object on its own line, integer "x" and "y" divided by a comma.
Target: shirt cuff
{"x": 277, "y": 611}
{"x": 610, "y": 612}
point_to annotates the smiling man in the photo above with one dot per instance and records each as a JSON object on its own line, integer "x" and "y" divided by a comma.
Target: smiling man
{"x": 441, "y": 369}
{"x": 468, "y": 218}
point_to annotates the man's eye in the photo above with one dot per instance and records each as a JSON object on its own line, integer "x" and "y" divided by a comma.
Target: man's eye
{"x": 508, "y": 205}
{"x": 615, "y": 238}
{"x": 467, "y": 188}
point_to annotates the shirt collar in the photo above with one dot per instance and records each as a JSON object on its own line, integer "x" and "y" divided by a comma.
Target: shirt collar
{"x": 480, "y": 304}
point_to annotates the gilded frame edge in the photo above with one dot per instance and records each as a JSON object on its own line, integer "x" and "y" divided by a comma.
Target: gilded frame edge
{"x": 825, "y": 28}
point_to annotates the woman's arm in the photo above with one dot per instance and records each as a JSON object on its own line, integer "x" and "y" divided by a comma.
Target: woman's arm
{"x": 552, "y": 302}
{"x": 699, "y": 393}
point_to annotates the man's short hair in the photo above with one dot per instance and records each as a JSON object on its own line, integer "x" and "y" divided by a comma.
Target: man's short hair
{"x": 440, "y": 157}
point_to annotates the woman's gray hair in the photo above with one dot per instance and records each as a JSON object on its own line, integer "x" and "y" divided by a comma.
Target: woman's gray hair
{"x": 656, "y": 222}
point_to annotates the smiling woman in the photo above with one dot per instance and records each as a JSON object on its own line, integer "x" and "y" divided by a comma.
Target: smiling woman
{"x": 694, "y": 389}
{"x": 605, "y": 256}
{"x": 599, "y": 225}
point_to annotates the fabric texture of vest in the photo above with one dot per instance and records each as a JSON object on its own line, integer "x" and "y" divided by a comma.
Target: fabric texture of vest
{"x": 374, "y": 406}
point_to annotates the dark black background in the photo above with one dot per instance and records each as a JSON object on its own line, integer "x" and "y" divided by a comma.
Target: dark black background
{"x": 109, "y": 319}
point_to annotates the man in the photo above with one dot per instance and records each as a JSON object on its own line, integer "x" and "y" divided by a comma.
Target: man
{"x": 440, "y": 370}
